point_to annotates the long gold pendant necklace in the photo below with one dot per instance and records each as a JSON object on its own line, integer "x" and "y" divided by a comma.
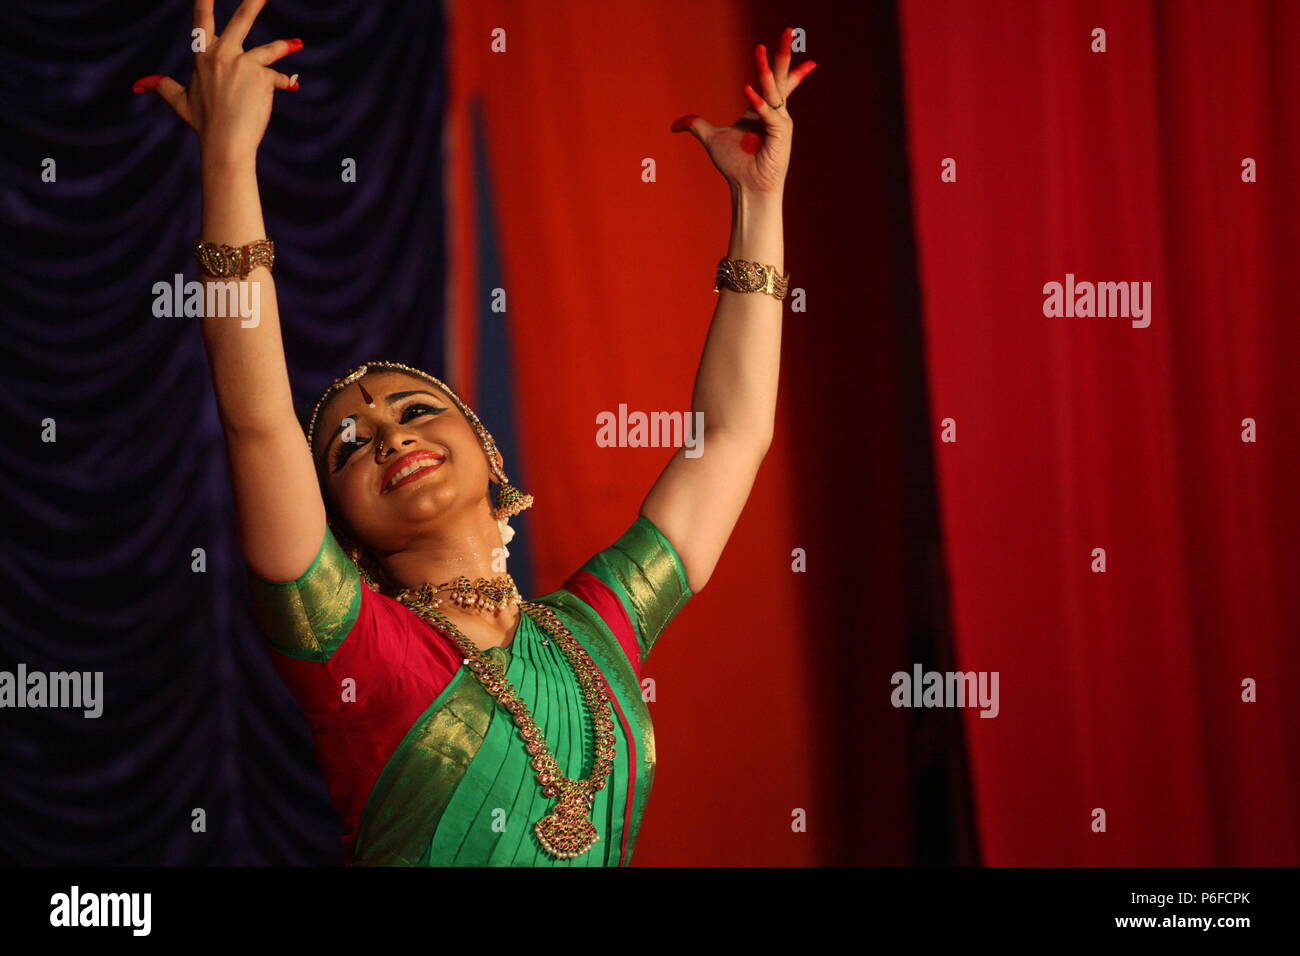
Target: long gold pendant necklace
{"x": 567, "y": 831}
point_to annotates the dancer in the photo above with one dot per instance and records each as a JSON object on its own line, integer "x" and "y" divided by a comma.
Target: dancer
{"x": 456, "y": 722}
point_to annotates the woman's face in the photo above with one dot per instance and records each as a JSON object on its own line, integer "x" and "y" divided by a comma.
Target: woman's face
{"x": 431, "y": 462}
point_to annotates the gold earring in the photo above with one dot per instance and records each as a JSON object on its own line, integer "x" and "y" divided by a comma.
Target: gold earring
{"x": 511, "y": 501}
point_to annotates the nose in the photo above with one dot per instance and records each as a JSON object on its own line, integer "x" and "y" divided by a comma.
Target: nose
{"x": 389, "y": 439}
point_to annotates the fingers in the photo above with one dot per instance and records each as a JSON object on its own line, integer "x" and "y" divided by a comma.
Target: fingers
{"x": 797, "y": 75}
{"x": 766, "y": 81}
{"x": 784, "y": 79}
{"x": 283, "y": 82}
{"x": 242, "y": 21}
{"x": 203, "y": 19}
{"x": 270, "y": 52}
{"x": 783, "y": 60}
{"x": 696, "y": 125}
{"x": 147, "y": 84}
{"x": 770, "y": 117}
{"x": 169, "y": 90}
{"x": 174, "y": 94}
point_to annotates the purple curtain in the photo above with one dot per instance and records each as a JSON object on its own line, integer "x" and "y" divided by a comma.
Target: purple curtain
{"x": 101, "y": 524}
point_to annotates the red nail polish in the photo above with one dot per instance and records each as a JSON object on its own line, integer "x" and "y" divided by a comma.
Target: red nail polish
{"x": 294, "y": 87}
{"x": 294, "y": 45}
{"x": 146, "y": 84}
{"x": 683, "y": 122}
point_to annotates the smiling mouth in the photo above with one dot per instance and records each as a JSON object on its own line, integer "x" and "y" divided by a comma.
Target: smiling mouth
{"x": 413, "y": 472}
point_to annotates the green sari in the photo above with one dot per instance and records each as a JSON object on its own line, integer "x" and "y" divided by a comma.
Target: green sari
{"x": 424, "y": 767}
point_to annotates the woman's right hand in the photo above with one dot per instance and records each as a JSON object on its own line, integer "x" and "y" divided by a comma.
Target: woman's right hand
{"x": 228, "y": 101}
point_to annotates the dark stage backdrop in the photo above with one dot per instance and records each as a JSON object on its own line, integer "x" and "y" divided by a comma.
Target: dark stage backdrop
{"x": 102, "y": 523}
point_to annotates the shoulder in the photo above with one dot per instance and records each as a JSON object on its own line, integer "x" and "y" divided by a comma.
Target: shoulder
{"x": 630, "y": 590}
{"x": 354, "y": 635}
{"x": 309, "y": 617}
{"x": 644, "y": 571}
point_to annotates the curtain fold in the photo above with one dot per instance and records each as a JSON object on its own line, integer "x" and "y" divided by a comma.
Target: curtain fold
{"x": 98, "y": 561}
{"x": 1121, "y": 691}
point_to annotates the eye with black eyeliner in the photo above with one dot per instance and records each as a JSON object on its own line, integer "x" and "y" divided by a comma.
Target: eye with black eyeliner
{"x": 414, "y": 405}
{"x": 345, "y": 449}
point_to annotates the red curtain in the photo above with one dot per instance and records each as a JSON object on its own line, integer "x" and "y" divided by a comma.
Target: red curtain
{"x": 1120, "y": 691}
{"x": 609, "y": 283}
{"x": 765, "y": 712}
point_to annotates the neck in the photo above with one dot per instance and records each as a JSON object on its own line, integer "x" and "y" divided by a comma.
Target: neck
{"x": 460, "y": 545}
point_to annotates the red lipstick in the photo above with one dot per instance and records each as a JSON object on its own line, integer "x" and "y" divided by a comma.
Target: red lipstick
{"x": 435, "y": 462}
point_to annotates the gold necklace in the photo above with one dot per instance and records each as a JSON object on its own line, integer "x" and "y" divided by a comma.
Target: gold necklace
{"x": 567, "y": 831}
{"x": 494, "y": 595}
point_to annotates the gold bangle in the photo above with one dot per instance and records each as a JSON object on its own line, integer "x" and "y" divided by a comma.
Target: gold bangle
{"x": 223, "y": 262}
{"x": 743, "y": 275}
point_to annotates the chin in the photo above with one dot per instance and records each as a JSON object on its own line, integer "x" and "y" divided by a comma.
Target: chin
{"x": 427, "y": 500}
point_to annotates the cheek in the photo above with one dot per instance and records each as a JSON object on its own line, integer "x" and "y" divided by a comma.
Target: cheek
{"x": 347, "y": 493}
{"x": 359, "y": 491}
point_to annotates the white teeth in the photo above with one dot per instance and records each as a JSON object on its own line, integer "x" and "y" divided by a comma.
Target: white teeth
{"x": 413, "y": 468}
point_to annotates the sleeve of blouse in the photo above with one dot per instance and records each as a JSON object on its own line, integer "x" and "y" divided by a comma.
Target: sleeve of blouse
{"x": 644, "y": 570}
{"x": 309, "y": 618}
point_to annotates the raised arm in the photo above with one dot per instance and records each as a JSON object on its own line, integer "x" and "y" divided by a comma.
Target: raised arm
{"x": 696, "y": 501}
{"x": 278, "y": 503}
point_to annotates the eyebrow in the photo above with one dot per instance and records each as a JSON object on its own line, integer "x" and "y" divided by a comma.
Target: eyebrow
{"x": 390, "y": 400}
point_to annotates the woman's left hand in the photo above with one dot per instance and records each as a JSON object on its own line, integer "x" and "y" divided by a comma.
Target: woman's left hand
{"x": 753, "y": 153}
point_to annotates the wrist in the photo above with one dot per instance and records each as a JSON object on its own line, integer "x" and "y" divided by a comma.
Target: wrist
{"x": 757, "y": 200}
{"x": 756, "y": 228}
{"x": 218, "y": 159}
